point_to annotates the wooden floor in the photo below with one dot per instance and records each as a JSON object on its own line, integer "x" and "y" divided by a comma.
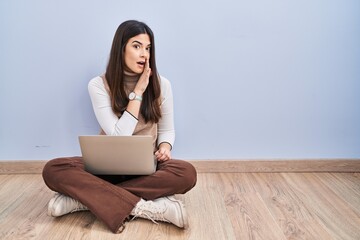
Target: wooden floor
{"x": 221, "y": 206}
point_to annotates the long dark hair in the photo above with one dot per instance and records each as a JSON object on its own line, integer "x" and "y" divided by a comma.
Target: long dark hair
{"x": 150, "y": 106}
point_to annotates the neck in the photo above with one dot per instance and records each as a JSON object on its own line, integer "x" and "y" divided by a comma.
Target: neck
{"x": 131, "y": 78}
{"x": 131, "y": 74}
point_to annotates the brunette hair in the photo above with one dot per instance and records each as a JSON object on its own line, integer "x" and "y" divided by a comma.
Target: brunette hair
{"x": 150, "y": 106}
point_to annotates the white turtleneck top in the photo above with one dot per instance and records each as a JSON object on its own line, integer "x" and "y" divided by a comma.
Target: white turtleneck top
{"x": 127, "y": 124}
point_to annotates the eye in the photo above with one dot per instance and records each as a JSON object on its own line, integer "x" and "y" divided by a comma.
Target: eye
{"x": 148, "y": 49}
{"x": 136, "y": 46}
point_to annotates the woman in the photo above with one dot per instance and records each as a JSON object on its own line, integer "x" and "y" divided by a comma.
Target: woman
{"x": 130, "y": 99}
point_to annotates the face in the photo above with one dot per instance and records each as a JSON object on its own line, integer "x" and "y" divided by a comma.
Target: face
{"x": 137, "y": 51}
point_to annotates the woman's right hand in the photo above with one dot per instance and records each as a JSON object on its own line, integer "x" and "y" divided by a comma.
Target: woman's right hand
{"x": 143, "y": 82}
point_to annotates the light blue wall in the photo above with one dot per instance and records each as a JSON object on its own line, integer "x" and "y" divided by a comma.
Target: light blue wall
{"x": 251, "y": 79}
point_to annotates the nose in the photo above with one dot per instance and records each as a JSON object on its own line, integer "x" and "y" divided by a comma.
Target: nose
{"x": 144, "y": 53}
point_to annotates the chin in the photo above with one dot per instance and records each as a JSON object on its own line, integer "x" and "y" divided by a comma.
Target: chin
{"x": 137, "y": 70}
{"x": 132, "y": 72}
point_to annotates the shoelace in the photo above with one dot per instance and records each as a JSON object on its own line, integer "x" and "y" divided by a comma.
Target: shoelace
{"x": 151, "y": 211}
{"x": 78, "y": 205}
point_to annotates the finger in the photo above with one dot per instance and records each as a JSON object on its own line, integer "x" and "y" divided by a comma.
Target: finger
{"x": 158, "y": 155}
{"x": 161, "y": 159}
{"x": 164, "y": 158}
{"x": 147, "y": 64}
{"x": 164, "y": 155}
{"x": 148, "y": 71}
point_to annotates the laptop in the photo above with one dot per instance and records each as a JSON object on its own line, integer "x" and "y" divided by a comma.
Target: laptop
{"x": 118, "y": 155}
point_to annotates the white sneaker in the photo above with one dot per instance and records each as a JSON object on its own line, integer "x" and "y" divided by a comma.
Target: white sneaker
{"x": 60, "y": 205}
{"x": 166, "y": 209}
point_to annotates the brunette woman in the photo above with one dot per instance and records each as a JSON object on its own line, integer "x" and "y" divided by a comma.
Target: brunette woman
{"x": 131, "y": 98}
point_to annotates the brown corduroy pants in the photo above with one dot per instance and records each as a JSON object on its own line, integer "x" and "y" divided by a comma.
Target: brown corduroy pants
{"x": 112, "y": 197}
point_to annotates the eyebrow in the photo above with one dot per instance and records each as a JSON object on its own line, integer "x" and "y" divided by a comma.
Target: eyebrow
{"x": 140, "y": 43}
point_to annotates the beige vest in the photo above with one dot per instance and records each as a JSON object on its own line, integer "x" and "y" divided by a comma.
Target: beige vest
{"x": 141, "y": 128}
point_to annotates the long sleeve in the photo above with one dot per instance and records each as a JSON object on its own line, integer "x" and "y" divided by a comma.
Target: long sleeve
{"x": 108, "y": 121}
{"x": 166, "y": 130}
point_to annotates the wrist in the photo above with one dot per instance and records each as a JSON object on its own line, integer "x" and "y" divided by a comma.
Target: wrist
{"x": 165, "y": 145}
{"x": 138, "y": 92}
{"x": 135, "y": 96}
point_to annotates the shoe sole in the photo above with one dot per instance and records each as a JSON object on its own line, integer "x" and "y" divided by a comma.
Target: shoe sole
{"x": 183, "y": 211}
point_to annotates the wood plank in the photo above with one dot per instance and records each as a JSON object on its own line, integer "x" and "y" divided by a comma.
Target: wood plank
{"x": 249, "y": 215}
{"x": 349, "y": 191}
{"x": 216, "y": 166}
{"x": 351, "y": 180}
{"x": 293, "y": 217}
{"x": 207, "y": 211}
{"x": 221, "y": 206}
{"x": 26, "y": 202}
{"x": 332, "y": 212}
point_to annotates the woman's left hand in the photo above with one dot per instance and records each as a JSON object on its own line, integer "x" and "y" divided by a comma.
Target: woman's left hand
{"x": 164, "y": 152}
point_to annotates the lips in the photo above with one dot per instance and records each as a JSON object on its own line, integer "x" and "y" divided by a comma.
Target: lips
{"x": 141, "y": 63}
